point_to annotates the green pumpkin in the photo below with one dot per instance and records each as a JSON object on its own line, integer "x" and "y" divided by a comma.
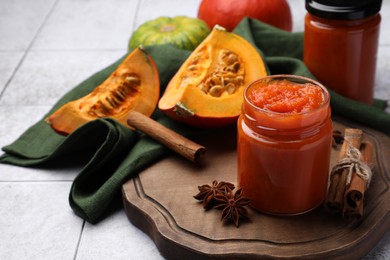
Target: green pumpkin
{"x": 181, "y": 31}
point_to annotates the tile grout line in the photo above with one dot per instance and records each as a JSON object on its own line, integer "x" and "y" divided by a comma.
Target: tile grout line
{"x": 136, "y": 15}
{"x": 79, "y": 241}
{"x": 28, "y": 49}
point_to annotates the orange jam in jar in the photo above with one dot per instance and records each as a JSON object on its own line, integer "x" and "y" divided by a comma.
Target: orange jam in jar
{"x": 284, "y": 144}
{"x": 341, "y": 44}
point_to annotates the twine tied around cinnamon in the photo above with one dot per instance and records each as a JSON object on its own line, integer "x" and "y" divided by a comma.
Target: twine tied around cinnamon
{"x": 353, "y": 163}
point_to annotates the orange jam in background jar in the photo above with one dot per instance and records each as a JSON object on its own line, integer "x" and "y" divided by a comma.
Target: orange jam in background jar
{"x": 284, "y": 144}
{"x": 341, "y": 43}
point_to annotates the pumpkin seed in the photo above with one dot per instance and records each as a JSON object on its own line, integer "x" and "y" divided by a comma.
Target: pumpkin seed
{"x": 229, "y": 69}
{"x": 202, "y": 87}
{"x": 101, "y": 109}
{"x": 225, "y": 53}
{"x": 230, "y": 88}
{"x": 240, "y": 80}
{"x": 216, "y": 91}
{"x": 118, "y": 95}
{"x": 215, "y": 80}
{"x": 232, "y": 58}
{"x": 236, "y": 66}
{"x": 192, "y": 68}
{"x": 196, "y": 60}
{"x": 133, "y": 80}
{"x": 122, "y": 91}
{"x": 227, "y": 80}
{"x": 109, "y": 102}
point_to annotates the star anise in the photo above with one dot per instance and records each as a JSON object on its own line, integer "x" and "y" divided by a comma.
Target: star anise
{"x": 207, "y": 193}
{"x": 232, "y": 205}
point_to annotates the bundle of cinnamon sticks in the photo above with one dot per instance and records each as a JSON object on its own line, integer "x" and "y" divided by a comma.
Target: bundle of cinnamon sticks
{"x": 351, "y": 176}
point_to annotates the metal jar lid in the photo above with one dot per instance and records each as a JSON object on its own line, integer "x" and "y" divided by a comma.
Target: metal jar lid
{"x": 343, "y": 9}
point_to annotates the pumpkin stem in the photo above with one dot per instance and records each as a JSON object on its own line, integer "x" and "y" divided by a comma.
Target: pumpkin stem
{"x": 219, "y": 27}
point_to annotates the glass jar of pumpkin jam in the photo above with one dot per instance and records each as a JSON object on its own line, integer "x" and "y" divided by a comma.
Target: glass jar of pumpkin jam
{"x": 341, "y": 43}
{"x": 284, "y": 144}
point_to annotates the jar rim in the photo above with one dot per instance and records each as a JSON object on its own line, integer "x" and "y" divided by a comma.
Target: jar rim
{"x": 295, "y": 79}
{"x": 343, "y": 10}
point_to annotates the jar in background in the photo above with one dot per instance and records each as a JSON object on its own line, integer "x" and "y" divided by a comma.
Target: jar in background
{"x": 284, "y": 156}
{"x": 340, "y": 45}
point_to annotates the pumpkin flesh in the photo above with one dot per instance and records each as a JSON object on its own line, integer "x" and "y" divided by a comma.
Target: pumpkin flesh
{"x": 134, "y": 85}
{"x": 207, "y": 91}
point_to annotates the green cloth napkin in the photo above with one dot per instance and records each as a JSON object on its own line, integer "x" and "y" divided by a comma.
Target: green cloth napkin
{"x": 114, "y": 153}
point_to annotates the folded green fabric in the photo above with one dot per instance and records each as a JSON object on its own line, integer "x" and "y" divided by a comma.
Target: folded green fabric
{"x": 114, "y": 153}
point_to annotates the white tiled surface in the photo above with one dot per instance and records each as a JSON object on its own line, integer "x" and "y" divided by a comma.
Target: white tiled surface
{"x": 46, "y": 48}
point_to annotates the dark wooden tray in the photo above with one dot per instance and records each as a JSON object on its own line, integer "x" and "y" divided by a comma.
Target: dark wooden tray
{"x": 160, "y": 202}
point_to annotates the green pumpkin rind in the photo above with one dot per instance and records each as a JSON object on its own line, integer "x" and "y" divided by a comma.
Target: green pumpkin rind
{"x": 185, "y": 32}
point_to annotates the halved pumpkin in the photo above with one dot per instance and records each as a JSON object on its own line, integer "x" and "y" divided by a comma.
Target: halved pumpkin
{"x": 207, "y": 90}
{"x": 133, "y": 86}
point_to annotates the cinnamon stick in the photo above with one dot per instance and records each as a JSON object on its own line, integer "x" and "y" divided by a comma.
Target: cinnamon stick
{"x": 354, "y": 194}
{"x": 176, "y": 142}
{"x": 353, "y": 213}
{"x": 335, "y": 197}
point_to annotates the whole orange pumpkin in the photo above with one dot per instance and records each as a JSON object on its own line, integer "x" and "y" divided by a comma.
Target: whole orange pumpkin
{"x": 228, "y": 13}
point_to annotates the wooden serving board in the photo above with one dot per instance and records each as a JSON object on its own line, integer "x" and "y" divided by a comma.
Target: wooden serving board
{"x": 160, "y": 202}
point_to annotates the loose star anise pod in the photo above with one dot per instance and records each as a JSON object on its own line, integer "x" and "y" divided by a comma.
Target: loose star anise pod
{"x": 232, "y": 205}
{"x": 207, "y": 193}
